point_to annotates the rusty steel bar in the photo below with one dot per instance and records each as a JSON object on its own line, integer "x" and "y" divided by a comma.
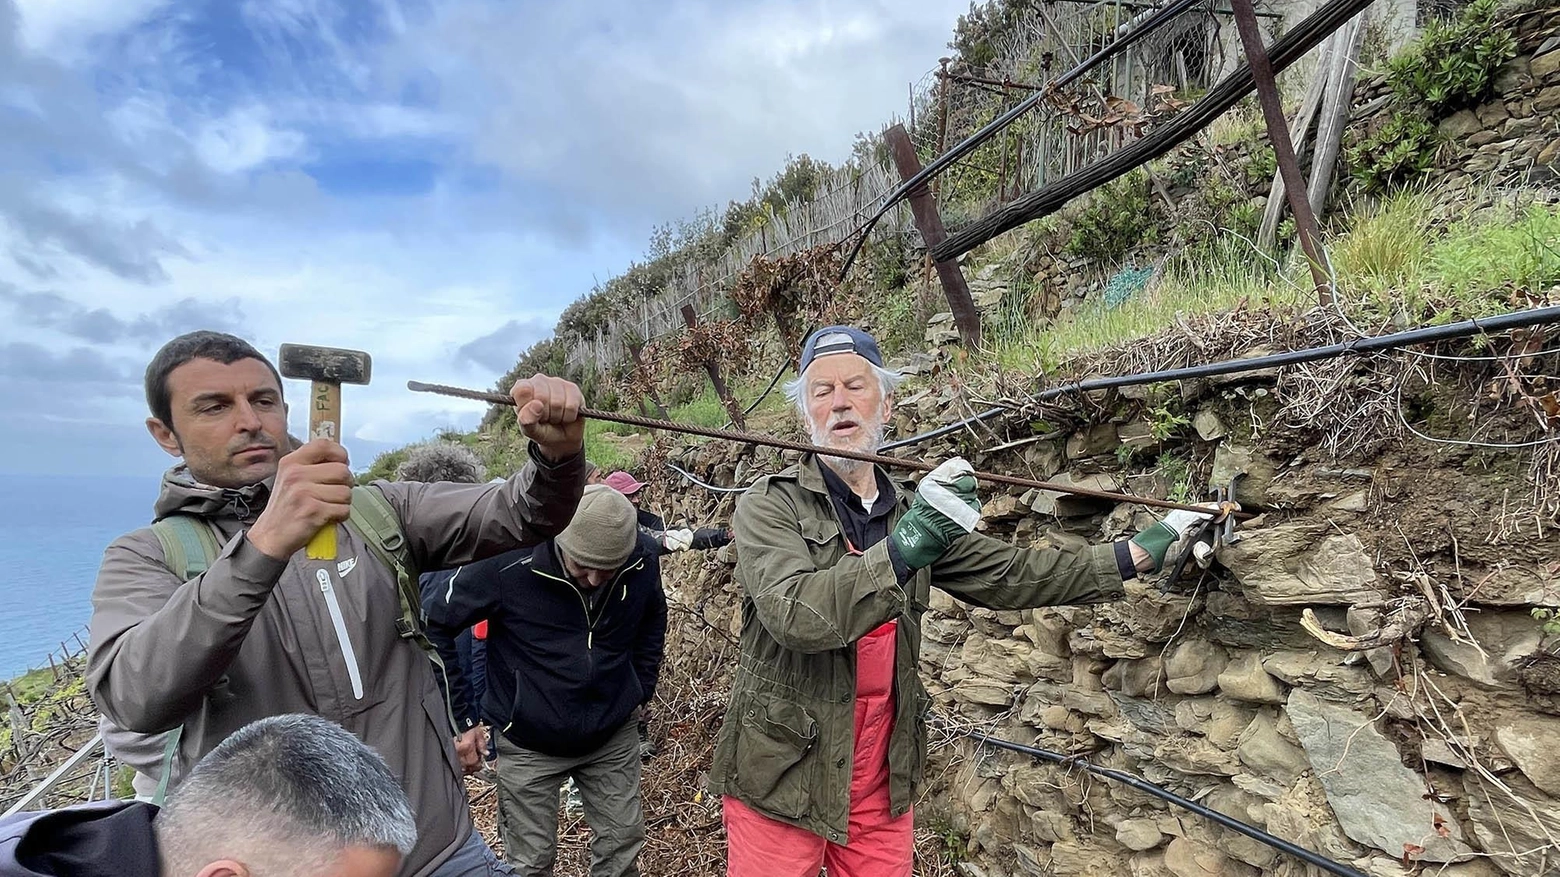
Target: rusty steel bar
{"x": 787, "y": 445}
{"x": 1261, "y": 65}
{"x": 929, "y": 222}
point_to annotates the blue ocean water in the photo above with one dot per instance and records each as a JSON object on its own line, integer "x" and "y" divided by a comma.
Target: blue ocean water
{"x": 53, "y": 530}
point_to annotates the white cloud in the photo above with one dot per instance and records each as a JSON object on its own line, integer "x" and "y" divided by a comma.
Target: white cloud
{"x": 64, "y": 28}
{"x": 244, "y": 139}
{"x": 646, "y": 113}
{"x": 150, "y": 169}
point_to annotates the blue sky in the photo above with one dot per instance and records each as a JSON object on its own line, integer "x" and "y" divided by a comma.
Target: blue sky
{"x": 430, "y": 181}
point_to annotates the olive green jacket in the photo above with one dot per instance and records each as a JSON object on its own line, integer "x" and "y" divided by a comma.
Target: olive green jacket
{"x": 785, "y": 749}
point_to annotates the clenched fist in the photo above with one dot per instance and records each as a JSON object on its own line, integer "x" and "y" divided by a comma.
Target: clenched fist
{"x": 548, "y": 409}
{"x": 313, "y": 489}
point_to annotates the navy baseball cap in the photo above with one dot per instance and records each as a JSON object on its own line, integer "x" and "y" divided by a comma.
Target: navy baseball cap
{"x": 840, "y": 339}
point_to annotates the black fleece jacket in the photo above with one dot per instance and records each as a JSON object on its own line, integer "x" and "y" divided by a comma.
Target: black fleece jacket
{"x": 566, "y": 666}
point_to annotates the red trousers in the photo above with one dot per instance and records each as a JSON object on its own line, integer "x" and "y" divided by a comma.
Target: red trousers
{"x": 876, "y": 845}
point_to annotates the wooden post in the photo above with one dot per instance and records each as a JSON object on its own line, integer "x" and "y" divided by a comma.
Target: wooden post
{"x": 1309, "y": 106}
{"x": 929, "y": 223}
{"x": 732, "y": 408}
{"x": 636, "y": 351}
{"x": 1335, "y": 111}
{"x": 1278, "y": 132}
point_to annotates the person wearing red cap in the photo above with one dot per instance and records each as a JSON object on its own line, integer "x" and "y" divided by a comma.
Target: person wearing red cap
{"x": 654, "y": 526}
{"x": 823, "y": 746}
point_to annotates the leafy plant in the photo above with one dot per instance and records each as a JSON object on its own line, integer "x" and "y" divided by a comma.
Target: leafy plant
{"x": 1117, "y": 218}
{"x": 1177, "y": 473}
{"x": 1401, "y": 149}
{"x": 1164, "y": 423}
{"x": 1454, "y": 63}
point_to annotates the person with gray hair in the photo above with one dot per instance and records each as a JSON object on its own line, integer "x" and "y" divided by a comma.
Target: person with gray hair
{"x": 823, "y": 749}
{"x": 286, "y": 796}
{"x": 441, "y": 460}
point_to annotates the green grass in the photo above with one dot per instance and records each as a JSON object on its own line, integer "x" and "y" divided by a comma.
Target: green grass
{"x": 604, "y": 452}
{"x": 33, "y": 684}
{"x": 1216, "y": 280}
{"x": 1398, "y": 261}
{"x": 1411, "y": 257}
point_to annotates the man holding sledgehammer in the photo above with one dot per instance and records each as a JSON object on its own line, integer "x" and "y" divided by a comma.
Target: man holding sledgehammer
{"x": 266, "y": 627}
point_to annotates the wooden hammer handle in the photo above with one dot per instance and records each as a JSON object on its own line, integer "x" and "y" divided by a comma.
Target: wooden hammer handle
{"x": 324, "y": 422}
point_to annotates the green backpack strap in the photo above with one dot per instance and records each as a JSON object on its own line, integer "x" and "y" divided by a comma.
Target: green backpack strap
{"x": 375, "y": 520}
{"x": 189, "y": 547}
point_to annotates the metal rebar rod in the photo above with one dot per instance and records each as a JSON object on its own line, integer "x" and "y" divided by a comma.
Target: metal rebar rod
{"x": 1306, "y": 226}
{"x": 787, "y": 445}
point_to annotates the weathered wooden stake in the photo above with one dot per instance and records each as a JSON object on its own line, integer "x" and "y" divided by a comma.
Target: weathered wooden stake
{"x": 1283, "y": 148}
{"x": 930, "y": 224}
{"x": 721, "y": 391}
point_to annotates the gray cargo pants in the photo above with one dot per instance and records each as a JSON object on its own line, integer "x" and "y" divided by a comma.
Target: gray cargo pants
{"x": 608, "y": 780}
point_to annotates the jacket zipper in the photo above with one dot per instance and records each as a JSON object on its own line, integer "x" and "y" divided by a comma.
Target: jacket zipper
{"x": 590, "y": 623}
{"x": 340, "y": 623}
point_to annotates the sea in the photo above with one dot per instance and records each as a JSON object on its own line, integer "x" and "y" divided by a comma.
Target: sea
{"x": 53, "y": 530}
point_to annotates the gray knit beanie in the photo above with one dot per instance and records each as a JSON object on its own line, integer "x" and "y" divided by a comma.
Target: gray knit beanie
{"x": 604, "y": 530}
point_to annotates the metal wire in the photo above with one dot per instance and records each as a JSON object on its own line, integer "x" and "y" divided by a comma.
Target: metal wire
{"x": 959, "y": 150}
{"x": 787, "y": 445}
{"x": 1147, "y": 787}
{"x": 704, "y": 484}
{"x": 1513, "y": 320}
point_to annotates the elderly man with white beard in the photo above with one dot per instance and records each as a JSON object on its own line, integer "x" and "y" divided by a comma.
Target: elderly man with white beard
{"x": 823, "y": 747}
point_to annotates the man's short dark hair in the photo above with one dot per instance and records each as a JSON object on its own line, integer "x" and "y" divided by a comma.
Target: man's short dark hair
{"x": 202, "y": 344}
{"x": 284, "y": 795}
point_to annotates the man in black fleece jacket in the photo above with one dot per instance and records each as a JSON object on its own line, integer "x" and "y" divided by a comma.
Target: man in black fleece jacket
{"x": 576, "y": 628}
{"x": 289, "y": 795}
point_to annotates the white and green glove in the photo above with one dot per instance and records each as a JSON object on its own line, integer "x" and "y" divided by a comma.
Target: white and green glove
{"x": 945, "y": 510}
{"x": 1157, "y": 539}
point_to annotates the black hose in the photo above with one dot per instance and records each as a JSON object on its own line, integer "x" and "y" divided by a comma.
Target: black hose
{"x": 1147, "y": 787}
{"x": 969, "y": 144}
{"x": 1512, "y": 320}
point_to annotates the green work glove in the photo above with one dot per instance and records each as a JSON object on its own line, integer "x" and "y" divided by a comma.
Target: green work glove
{"x": 1156, "y": 540}
{"x": 945, "y": 510}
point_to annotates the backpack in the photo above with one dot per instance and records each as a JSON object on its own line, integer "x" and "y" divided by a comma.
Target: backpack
{"x": 190, "y": 545}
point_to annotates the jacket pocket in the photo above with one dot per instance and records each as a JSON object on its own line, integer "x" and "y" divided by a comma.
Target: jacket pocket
{"x": 773, "y": 739}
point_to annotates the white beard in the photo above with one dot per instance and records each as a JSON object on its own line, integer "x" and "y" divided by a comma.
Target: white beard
{"x": 868, "y": 440}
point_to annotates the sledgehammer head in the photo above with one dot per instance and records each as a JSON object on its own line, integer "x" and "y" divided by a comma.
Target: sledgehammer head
{"x": 326, "y": 365}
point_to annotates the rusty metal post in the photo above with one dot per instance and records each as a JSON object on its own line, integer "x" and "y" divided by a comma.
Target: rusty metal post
{"x": 1283, "y": 148}
{"x": 721, "y": 391}
{"x": 636, "y": 351}
{"x": 929, "y": 222}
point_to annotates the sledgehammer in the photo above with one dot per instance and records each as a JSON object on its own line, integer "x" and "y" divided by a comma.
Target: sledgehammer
{"x": 326, "y": 368}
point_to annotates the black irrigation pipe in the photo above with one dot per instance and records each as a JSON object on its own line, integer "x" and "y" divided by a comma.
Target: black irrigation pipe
{"x": 1182, "y": 127}
{"x": 968, "y": 144}
{"x": 1513, "y": 320}
{"x": 1147, "y": 787}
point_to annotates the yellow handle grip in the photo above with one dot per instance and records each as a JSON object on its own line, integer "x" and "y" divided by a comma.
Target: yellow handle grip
{"x": 323, "y": 545}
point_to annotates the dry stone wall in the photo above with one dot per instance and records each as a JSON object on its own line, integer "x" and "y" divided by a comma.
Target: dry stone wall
{"x": 1435, "y": 748}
